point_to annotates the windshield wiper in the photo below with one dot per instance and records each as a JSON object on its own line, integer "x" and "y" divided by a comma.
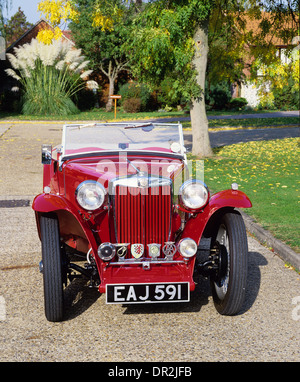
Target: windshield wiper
{"x": 138, "y": 126}
{"x": 131, "y": 164}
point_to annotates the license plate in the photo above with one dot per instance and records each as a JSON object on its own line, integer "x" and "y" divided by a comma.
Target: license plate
{"x": 147, "y": 293}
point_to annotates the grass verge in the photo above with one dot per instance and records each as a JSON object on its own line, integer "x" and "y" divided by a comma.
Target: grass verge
{"x": 268, "y": 172}
{"x": 94, "y": 115}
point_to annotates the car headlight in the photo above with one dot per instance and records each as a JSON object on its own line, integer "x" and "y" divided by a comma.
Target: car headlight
{"x": 90, "y": 195}
{"x": 187, "y": 247}
{"x": 193, "y": 194}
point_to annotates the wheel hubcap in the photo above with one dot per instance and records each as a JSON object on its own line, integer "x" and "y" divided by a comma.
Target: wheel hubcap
{"x": 221, "y": 284}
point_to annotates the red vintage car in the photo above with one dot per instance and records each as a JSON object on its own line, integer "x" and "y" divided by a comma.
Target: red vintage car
{"x": 125, "y": 200}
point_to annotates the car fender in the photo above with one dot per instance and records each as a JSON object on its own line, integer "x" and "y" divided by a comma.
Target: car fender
{"x": 222, "y": 200}
{"x": 49, "y": 203}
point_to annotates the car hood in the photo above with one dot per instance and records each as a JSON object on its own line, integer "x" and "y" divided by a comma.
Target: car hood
{"x": 106, "y": 169}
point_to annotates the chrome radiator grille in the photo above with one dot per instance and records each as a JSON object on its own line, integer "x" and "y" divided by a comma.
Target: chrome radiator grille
{"x": 143, "y": 214}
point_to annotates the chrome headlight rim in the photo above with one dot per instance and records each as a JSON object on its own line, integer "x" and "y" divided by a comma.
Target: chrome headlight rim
{"x": 182, "y": 247}
{"x": 106, "y": 251}
{"x": 94, "y": 187}
{"x": 183, "y": 190}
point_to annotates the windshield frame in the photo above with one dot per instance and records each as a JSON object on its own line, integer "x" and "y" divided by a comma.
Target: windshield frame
{"x": 66, "y": 156}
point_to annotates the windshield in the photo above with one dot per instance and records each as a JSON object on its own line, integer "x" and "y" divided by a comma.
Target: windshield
{"x": 103, "y": 137}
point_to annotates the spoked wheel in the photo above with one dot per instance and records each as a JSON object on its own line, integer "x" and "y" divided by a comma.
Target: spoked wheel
{"x": 229, "y": 282}
{"x": 54, "y": 273}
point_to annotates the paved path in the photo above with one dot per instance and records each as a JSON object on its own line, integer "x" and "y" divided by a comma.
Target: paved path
{"x": 277, "y": 114}
{"x": 225, "y": 137}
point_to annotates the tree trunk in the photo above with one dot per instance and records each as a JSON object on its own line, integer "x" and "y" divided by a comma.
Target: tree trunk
{"x": 201, "y": 142}
{"x": 111, "y": 90}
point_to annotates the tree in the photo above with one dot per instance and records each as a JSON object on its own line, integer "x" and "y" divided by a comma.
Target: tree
{"x": 173, "y": 38}
{"x": 57, "y": 13}
{"x": 4, "y": 4}
{"x": 101, "y": 33}
{"x": 16, "y": 26}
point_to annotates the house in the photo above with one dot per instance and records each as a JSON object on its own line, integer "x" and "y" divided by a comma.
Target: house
{"x": 6, "y": 82}
{"x": 282, "y": 44}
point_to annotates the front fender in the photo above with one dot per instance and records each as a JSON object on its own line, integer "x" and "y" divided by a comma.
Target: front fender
{"x": 51, "y": 203}
{"x": 47, "y": 203}
{"x": 195, "y": 226}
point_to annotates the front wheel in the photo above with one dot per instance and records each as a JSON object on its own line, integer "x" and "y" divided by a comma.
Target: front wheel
{"x": 52, "y": 269}
{"x": 229, "y": 285}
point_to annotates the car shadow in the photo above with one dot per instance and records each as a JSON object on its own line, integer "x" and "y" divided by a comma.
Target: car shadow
{"x": 201, "y": 296}
{"x": 255, "y": 261}
{"x": 79, "y": 296}
{"x": 198, "y": 298}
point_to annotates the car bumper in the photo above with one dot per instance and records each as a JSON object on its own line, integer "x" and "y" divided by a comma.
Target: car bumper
{"x": 147, "y": 271}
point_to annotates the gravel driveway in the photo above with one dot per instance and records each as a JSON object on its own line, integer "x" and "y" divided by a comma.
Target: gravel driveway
{"x": 268, "y": 328}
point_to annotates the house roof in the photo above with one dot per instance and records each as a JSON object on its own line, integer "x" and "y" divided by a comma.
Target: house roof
{"x": 33, "y": 32}
{"x": 283, "y": 28}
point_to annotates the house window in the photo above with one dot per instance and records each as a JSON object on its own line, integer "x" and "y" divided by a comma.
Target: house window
{"x": 283, "y": 55}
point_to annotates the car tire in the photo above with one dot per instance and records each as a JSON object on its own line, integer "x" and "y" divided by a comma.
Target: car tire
{"x": 228, "y": 286}
{"x": 52, "y": 269}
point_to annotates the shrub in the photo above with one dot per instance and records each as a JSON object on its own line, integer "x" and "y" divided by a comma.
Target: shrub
{"x": 50, "y": 75}
{"x": 132, "y": 105}
{"x": 134, "y": 90}
{"x": 85, "y": 99}
{"x": 10, "y": 101}
{"x": 285, "y": 97}
{"x": 218, "y": 96}
{"x": 238, "y": 103}
{"x": 279, "y": 85}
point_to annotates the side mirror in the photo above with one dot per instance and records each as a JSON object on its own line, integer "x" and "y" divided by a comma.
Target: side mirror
{"x": 46, "y": 154}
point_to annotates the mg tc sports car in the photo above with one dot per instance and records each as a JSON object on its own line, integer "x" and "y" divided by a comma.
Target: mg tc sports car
{"x": 124, "y": 199}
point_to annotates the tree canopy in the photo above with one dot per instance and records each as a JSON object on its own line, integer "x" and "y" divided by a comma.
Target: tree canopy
{"x": 4, "y": 4}
{"x": 16, "y": 26}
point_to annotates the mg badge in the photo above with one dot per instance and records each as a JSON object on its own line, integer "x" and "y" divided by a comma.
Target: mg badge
{"x": 143, "y": 182}
{"x": 169, "y": 250}
{"x": 137, "y": 250}
{"x": 154, "y": 250}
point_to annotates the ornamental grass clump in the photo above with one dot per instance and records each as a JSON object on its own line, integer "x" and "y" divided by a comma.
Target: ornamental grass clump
{"x": 50, "y": 75}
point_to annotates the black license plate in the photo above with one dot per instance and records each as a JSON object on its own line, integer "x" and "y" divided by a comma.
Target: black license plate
{"x": 147, "y": 293}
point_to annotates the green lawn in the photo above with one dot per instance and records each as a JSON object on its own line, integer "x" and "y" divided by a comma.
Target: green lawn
{"x": 268, "y": 172}
{"x": 93, "y": 115}
{"x": 102, "y": 115}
